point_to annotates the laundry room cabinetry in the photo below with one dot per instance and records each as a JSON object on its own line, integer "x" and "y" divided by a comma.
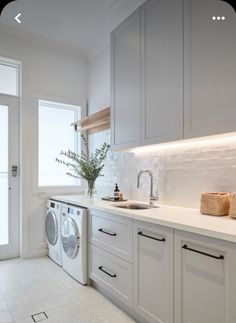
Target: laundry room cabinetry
{"x": 126, "y": 82}
{"x": 162, "y": 275}
{"x": 205, "y": 285}
{"x": 162, "y": 71}
{"x": 173, "y": 72}
{"x": 147, "y": 75}
{"x": 153, "y": 272}
{"x": 210, "y": 69}
{"x": 110, "y": 254}
{"x": 111, "y": 233}
{"x": 112, "y": 273}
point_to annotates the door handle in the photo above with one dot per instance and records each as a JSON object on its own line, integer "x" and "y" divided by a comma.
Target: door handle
{"x": 106, "y": 272}
{"x": 150, "y": 237}
{"x": 202, "y": 253}
{"x": 14, "y": 170}
{"x": 106, "y": 232}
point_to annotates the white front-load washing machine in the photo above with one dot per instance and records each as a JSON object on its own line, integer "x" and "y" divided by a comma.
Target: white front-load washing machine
{"x": 74, "y": 242}
{"x": 53, "y": 228}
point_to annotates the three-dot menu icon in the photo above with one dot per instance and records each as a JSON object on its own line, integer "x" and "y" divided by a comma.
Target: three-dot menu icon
{"x": 218, "y": 18}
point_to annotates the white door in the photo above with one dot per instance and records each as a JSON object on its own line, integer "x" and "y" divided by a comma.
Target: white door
{"x": 9, "y": 179}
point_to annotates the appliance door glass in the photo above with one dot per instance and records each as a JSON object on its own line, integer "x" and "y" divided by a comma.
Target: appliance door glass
{"x": 70, "y": 238}
{"x": 51, "y": 228}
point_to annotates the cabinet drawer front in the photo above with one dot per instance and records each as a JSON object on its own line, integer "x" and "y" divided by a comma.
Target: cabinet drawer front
{"x": 112, "y": 273}
{"x": 112, "y": 233}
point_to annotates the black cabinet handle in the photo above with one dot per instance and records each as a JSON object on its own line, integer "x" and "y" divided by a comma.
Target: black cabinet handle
{"x": 149, "y": 237}
{"x": 202, "y": 253}
{"x": 106, "y": 232}
{"x": 106, "y": 272}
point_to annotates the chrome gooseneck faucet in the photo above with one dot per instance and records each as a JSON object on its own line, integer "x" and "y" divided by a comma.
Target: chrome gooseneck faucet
{"x": 152, "y": 197}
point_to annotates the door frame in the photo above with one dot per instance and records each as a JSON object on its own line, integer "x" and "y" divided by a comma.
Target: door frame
{"x": 12, "y": 250}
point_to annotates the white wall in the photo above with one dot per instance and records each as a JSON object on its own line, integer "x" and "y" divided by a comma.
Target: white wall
{"x": 99, "y": 81}
{"x": 181, "y": 173}
{"x": 51, "y": 71}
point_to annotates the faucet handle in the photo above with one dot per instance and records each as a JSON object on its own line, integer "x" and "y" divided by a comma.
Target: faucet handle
{"x": 154, "y": 198}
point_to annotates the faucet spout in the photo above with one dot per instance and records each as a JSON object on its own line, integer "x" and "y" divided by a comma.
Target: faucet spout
{"x": 152, "y": 197}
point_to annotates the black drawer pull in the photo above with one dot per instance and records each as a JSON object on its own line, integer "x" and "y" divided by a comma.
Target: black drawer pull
{"x": 106, "y": 232}
{"x": 146, "y": 236}
{"x": 106, "y": 272}
{"x": 203, "y": 253}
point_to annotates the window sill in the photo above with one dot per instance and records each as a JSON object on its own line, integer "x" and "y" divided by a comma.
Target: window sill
{"x": 44, "y": 192}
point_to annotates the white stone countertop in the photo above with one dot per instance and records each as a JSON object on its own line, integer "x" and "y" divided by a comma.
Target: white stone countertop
{"x": 181, "y": 218}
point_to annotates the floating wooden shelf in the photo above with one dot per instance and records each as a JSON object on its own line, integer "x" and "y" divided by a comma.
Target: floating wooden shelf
{"x": 94, "y": 123}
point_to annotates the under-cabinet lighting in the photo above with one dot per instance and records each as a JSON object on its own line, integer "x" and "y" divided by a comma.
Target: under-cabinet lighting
{"x": 201, "y": 142}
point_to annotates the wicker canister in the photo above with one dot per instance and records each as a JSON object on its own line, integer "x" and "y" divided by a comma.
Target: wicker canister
{"x": 217, "y": 204}
{"x": 232, "y": 211}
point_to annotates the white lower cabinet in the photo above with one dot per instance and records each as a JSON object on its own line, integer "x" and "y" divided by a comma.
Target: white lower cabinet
{"x": 153, "y": 272}
{"x": 171, "y": 276}
{"x": 113, "y": 273}
{"x": 205, "y": 281}
{"x": 112, "y": 233}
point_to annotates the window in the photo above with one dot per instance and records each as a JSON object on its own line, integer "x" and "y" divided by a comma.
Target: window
{"x": 55, "y": 134}
{"x": 9, "y": 78}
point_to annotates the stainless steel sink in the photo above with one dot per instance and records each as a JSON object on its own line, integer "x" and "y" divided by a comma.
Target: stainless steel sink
{"x": 136, "y": 206}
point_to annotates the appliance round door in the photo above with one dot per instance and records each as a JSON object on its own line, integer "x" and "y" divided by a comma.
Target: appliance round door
{"x": 51, "y": 228}
{"x": 70, "y": 237}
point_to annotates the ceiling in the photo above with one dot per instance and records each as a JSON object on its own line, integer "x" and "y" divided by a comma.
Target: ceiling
{"x": 85, "y": 24}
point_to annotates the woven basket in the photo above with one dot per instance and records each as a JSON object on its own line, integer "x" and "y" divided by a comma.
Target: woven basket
{"x": 232, "y": 211}
{"x": 217, "y": 204}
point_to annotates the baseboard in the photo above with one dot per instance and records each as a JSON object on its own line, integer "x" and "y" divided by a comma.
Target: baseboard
{"x": 38, "y": 250}
{"x": 127, "y": 310}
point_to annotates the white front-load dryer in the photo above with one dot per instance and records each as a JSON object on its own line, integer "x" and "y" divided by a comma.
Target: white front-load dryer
{"x": 74, "y": 242}
{"x": 53, "y": 228}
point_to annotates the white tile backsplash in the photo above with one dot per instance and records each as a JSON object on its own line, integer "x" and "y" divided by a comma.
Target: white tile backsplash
{"x": 180, "y": 173}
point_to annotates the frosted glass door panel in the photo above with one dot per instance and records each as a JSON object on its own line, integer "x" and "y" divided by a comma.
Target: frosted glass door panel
{"x": 8, "y": 79}
{"x": 4, "y": 209}
{"x": 4, "y": 214}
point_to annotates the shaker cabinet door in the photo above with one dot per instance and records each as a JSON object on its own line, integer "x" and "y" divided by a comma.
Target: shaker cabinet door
{"x": 125, "y": 82}
{"x": 205, "y": 286}
{"x": 153, "y": 272}
{"x": 162, "y": 71}
{"x": 210, "y": 68}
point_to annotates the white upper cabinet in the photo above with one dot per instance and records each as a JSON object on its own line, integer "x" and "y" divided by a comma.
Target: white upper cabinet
{"x": 210, "y": 68}
{"x": 125, "y": 82}
{"x": 162, "y": 71}
{"x": 173, "y": 72}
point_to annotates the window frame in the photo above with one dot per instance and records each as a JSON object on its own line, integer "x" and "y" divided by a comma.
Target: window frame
{"x": 60, "y": 189}
{"x": 17, "y": 65}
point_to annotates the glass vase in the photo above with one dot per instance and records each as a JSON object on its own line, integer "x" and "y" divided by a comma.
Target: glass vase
{"x": 90, "y": 188}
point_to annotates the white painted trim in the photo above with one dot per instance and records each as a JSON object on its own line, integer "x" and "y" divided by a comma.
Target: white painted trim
{"x": 37, "y": 250}
{"x": 52, "y": 190}
{"x": 11, "y": 249}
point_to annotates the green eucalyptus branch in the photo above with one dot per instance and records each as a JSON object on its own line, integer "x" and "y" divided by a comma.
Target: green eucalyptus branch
{"x": 86, "y": 165}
